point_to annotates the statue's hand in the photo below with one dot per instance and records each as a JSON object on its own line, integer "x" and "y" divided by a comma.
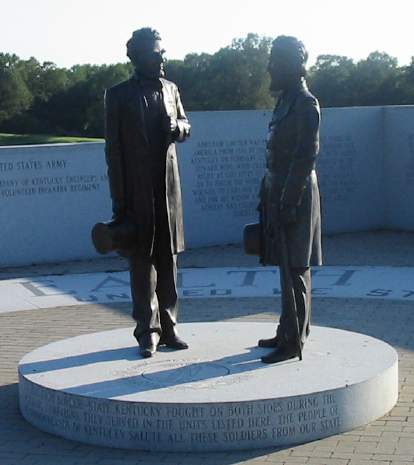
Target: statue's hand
{"x": 170, "y": 125}
{"x": 288, "y": 214}
{"x": 118, "y": 211}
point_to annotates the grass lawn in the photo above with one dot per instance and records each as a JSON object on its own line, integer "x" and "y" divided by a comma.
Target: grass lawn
{"x": 30, "y": 139}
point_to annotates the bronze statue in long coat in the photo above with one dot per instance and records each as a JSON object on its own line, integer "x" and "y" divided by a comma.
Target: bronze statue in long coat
{"x": 129, "y": 159}
{"x": 144, "y": 119}
{"x": 291, "y": 179}
{"x": 289, "y": 194}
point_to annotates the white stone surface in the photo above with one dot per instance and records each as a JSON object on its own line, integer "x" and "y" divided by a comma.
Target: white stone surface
{"x": 367, "y": 282}
{"x": 51, "y": 196}
{"x": 215, "y": 396}
{"x": 221, "y": 166}
{"x": 351, "y": 169}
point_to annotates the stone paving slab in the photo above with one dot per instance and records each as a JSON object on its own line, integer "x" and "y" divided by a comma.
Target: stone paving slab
{"x": 388, "y": 441}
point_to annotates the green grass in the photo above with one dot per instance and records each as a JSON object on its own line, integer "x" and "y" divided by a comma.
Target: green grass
{"x": 32, "y": 139}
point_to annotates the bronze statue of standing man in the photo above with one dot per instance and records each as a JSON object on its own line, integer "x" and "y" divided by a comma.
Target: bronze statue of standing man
{"x": 144, "y": 119}
{"x": 290, "y": 222}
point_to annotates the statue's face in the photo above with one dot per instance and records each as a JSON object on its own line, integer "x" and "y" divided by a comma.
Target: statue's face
{"x": 281, "y": 71}
{"x": 150, "y": 60}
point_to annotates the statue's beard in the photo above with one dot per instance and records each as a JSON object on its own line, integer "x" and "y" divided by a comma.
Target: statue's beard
{"x": 153, "y": 74}
{"x": 150, "y": 72}
{"x": 284, "y": 82}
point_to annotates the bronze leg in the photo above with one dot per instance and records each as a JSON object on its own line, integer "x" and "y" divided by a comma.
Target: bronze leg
{"x": 301, "y": 278}
{"x": 145, "y": 310}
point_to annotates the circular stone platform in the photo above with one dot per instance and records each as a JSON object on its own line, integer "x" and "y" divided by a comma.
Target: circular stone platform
{"x": 215, "y": 396}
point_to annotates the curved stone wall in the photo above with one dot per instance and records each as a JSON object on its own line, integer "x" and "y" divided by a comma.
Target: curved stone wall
{"x": 51, "y": 195}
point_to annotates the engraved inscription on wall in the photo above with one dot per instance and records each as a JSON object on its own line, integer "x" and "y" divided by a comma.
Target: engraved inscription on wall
{"x": 39, "y": 177}
{"x": 336, "y": 168}
{"x": 172, "y": 425}
{"x": 228, "y": 174}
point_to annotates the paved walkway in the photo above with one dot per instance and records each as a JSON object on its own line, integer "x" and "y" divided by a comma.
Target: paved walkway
{"x": 387, "y": 441}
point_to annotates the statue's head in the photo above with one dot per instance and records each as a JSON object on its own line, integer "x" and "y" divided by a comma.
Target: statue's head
{"x": 145, "y": 52}
{"x": 287, "y": 62}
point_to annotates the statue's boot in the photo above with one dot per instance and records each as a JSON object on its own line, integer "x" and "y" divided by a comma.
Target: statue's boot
{"x": 280, "y": 354}
{"x": 148, "y": 344}
{"x": 169, "y": 334}
{"x": 271, "y": 343}
{"x": 171, "y": 339}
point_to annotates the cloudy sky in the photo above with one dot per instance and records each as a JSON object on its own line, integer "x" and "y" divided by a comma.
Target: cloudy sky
{"x": 68, "y": 32}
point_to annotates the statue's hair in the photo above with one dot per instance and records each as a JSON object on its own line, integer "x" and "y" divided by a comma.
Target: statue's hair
{"x": 140, "y": 40}
{"x": 294, "y": 51}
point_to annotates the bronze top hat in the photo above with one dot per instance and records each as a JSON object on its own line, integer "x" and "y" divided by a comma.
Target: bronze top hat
{"x": 113, "y": 235}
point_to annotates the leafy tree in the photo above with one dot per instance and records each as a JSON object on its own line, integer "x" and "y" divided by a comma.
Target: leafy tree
{"x": 43, "y": 98}
{"x": 78, "y": 110}
{"x": 15, "y": 97}
{"x": 239, "y": 74}
{"x": 191, "y": 75}
{"x": 233, "y": 78}
{"x": 330, "y": 79}
{"x": 404, "y": 86}
{"x": 44, "y": 80}
{"x": 375, "y": 80}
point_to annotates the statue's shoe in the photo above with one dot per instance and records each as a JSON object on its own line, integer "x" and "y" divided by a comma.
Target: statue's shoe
{"x": 271, "y": 343}
{"x": 173, "y": 342}
{"x": 148, "y": 344}
{"x": 280, "y": 354}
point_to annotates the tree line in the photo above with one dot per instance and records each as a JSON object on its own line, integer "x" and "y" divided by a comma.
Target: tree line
{"x": 43, "y": 98}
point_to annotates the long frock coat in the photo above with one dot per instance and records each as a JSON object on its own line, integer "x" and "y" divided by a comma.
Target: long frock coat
{"x": 290, "y": 178}
{"x": 128, "y": 157}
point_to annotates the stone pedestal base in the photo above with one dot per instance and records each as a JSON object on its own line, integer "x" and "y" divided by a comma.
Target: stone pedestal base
{"x": 217, "y": 395}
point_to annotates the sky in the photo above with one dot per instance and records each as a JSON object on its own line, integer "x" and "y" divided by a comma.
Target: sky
{"x": 69, "y": 32}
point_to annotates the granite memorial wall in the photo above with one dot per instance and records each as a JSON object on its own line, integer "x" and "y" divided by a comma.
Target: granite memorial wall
{"x": 398, "y": 175}
{"x": 52, "y": 195}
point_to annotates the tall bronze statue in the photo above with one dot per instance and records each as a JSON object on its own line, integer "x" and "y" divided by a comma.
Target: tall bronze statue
{"x": 290, "y": 222}
{"x": 144, "y": 119}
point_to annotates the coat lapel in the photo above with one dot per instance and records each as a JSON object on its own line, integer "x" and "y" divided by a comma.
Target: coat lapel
{"x": 137, "y": 103}
{"x": 168, "y": 100}
{"x": 282, "y": 109}
{"x": 141, "y": 119}
{"x": 287, "y": 100}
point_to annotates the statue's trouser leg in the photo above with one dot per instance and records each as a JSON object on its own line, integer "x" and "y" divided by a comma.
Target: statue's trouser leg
{"x": 286, "y": 332}
{"x": 166, "y": 289}
{"x": 166, "y": 263}
{"x": 154, "y": 280}
{"x": 153, "y": 289}
{"x": 143, "y": 275}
